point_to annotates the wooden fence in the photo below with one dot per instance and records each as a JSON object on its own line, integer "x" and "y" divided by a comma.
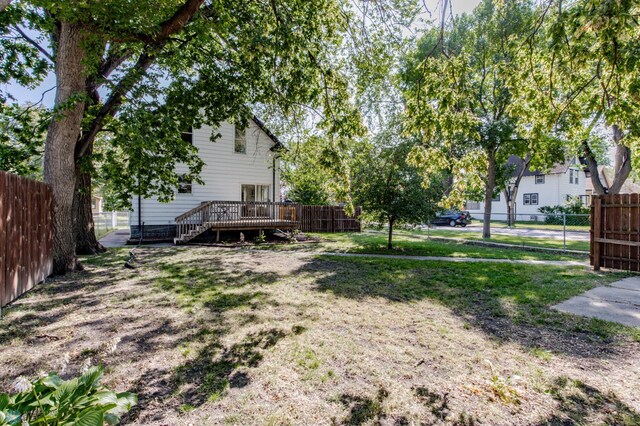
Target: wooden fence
{"x": 615, "y": 232}
{"x": 25, "y": 235}
{"x": 329, "y": 219}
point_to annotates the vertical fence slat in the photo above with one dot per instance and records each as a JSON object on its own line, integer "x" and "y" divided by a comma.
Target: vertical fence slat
{"x": 328, "y": 219}
{"x": 615, "y": 232}
{"x": 25, "y": 235}
{"x": 3, "y": 238}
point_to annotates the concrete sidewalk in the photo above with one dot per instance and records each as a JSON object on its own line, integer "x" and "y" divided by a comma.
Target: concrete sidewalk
{"x": 117, "y": 238}
{"x": 619, "y": 302}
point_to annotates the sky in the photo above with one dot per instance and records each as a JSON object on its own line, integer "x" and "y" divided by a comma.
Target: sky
{"x": 24, "y": 95}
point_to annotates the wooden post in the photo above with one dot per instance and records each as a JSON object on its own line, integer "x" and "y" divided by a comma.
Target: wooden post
{"x": 597, "y": 232}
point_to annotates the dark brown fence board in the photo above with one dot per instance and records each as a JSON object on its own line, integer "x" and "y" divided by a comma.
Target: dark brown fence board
{"x": 329, "y": 219}
{"x": 25, "y": 235}
{"x": 615, "y": 232}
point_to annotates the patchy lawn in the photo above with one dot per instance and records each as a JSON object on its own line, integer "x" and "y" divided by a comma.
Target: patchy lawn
{"x": 510, "y": 239}
{"x": 416, "y": 243}
{"x": 215, "y": 336}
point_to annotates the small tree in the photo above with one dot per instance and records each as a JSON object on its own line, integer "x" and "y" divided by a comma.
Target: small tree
{"x": 388, "y": 188}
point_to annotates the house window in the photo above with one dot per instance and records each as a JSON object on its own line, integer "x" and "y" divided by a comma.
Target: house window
{"x": 258, "y": 193}
{"x": 567, "y": 197}
{"x": 240, "y": 145}
{"x": 573, "y": 176}
{"x": 539, "y": 179}
{"x": 187, "y": 136}
{"x": 184, "y": 185}
{"x": 473, "y": 205}
{"x": 496, "y": 198}
{"x": 530, "y": 199}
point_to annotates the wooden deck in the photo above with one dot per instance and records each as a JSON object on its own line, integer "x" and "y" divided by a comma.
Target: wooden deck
{"x": 252, "y": 223}
{"x": 235, "y": 216}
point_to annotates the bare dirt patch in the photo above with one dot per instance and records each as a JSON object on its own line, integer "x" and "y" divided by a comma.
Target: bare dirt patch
{"x": 215, "y": 336}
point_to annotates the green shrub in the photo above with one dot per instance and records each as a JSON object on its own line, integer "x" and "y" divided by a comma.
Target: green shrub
{"x": 49, "y": 400}
{"x": 572, "y": 208}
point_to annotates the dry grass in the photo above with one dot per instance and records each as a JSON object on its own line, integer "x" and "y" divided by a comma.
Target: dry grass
{"x": 214, "y": 336}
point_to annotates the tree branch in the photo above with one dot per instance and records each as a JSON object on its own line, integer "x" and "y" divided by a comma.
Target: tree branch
{"x": 154, "y": 44}
{"x": 33, "y": 42}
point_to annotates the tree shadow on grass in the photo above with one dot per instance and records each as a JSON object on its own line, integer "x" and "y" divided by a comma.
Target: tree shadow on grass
{"x": 216, "y": 368}
{"x": 363, "y": 409}
{"x": 213, "y": 290}
{"x": 581, "y": 404}
{"x": 509, "y": 302}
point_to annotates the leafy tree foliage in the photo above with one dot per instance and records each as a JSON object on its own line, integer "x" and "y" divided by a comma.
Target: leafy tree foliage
{"x": 144, "y": 77}
{"x": 582, "y": 74}
{"x": 22, "y": 131}
{"x": 460, "y": 100}
{"x": 388, "y": 187}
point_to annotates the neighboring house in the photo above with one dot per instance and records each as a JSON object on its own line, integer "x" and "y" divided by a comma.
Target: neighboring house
{"x": 96, "y": 204}
{"x": 241, "y": 165}
{"x": 537, "y": 189}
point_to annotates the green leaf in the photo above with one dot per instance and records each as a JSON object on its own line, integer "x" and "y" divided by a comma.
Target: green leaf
{"x": 52, "y": 381}
{"x": 126, "y": 400}
{"x": 91, "y": 378}
{"x": 13, "y": 417}
{"x": 105, "y": 398}
{"x": 65, "y": 391}
{"x": 94, "y": 417}
{"x": 4, "y": 400}
{"x": 111, "y": 419}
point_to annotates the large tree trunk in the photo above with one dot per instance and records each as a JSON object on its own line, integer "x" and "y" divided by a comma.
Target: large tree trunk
{"x": 59, "y": 167}
{"x": 390, "y": 241}
{"x": 622, "y": 165}
{"x": 86, "y": 241}
{"x": 488, "y": 193}
{"x": 4, "y": 4}
{"x": 511, "y": 192}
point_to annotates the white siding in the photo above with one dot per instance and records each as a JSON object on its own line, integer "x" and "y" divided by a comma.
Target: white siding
{"x": 223, "y": 174}
{"x": 552, "y": 192}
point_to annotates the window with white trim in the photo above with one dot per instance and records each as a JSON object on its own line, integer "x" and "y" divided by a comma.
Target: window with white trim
{"x": 255, "y": 193}
{"x": 187, "y": 136}
{"x": 539, "y": 179}
{"x": 530, "y": 199}
{"x": 184, "y": 185}
{"x": 573, "y": 176}
{"x": 473, "y": 205}
{"x": 240, "y": 143}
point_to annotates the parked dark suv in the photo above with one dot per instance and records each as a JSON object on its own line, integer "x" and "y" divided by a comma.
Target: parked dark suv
{"x": 452, "y": 218}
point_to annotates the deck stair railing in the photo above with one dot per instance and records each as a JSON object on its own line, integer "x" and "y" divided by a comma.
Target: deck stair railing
{"x": 235, "y": 215}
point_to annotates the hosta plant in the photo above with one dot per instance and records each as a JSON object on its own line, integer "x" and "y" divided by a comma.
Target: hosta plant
{"x": 49, "y": 400}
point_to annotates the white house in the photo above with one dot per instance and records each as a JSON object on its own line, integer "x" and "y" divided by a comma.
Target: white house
{"x": 538, "y": 189}
{"x": 241, "y": 165}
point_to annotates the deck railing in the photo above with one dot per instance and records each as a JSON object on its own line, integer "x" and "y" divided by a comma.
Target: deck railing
{"x": 235, "y": 215}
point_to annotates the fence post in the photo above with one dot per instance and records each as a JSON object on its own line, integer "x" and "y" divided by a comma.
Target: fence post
{"x": 564, "y": 231}
{"x": 597, "y": 229}
{"x": 114, "y": 220}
